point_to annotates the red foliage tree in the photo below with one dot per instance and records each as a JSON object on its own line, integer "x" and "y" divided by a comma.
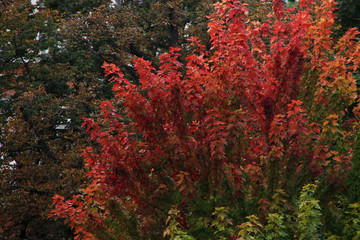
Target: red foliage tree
{"x": 264, "y": 111}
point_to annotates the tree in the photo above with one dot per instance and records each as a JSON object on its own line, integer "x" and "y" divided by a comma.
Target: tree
{"x": 40, "y": 134}
{"x": 235, "y": 134}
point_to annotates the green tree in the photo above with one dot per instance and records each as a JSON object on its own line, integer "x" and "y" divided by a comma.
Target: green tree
{"x": 40, "y": 122}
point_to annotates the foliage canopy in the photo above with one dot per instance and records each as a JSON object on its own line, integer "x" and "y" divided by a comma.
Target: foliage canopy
{"x": 251, "y": 139}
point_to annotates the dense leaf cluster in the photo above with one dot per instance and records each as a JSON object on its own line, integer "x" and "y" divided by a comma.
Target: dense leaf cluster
{"x": 240, "y": 125}
{"x": 249, "y": 140}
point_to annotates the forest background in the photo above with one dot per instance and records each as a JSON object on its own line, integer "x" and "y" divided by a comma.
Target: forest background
{"x": 51, "y": 57}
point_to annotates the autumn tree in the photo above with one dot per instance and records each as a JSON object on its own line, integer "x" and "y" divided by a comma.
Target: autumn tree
{"x": 253, "y": 140}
